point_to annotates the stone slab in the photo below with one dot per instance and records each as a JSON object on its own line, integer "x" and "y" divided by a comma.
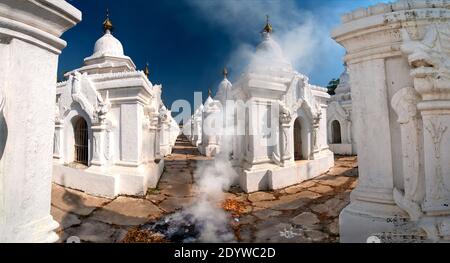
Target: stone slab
{"x": 94, "y": 232}
{"x": 65, "y": 219}
{"x": 176, "y": 190}
{"x": 75, "y": 201}
{"x": 266, "y": 213}
{"x": 172, "y": 204}
{"x": 260, "y": 196}
{"x": 306, "y": 219}
{"x": 127, "y": 211}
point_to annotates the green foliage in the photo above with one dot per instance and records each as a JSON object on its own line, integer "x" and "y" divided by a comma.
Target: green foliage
{"x": 332, "y": 85}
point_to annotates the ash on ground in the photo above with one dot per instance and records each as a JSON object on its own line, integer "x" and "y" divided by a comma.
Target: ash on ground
{"x": 183, "y": 227}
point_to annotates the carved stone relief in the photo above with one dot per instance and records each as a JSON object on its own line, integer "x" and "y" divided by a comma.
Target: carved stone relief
{"x": 404, "y": 103}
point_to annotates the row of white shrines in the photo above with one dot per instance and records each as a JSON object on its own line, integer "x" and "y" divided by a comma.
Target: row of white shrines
{"x": 110, "y": 130}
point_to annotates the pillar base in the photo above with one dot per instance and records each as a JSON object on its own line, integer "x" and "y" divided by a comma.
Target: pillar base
{"x": 362, "y": 219}
{"x": 270, "y": 176}
{"x": 37, "y": 231}
{"x": 133, "y": 180}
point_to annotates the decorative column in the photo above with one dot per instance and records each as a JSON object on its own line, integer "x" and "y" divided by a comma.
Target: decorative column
{"x": 403, "y": 185}
{"x": 57, "y": 145}
{"x": 155, "y": 130}
{"x": 29, "y": 50}
{"x": 99, "y": 142}
{"x": 315, "y": 134}
{"x": 286, "y": 136}
{"x": 165, "y": 132}
{"x": 429, "y": 59}
{"x": 99, "y": 133}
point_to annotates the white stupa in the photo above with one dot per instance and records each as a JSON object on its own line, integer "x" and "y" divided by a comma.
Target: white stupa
{"x": 296, "y": 149}
{"x": 340, "y": 135}
{"x": 107, "y": 126}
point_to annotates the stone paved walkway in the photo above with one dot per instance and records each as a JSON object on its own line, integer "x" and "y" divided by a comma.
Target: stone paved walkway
{"x": 303, "y": 213}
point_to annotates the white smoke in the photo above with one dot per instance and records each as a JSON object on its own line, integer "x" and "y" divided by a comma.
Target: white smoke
{"x": 304, "y": 36}
{"x": 212, "y": 179}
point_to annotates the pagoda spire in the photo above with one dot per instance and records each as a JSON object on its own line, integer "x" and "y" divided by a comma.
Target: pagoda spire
{"x": 107, "y": 24}
{"x": 268, "y": 27}
{"x": 225, "y": 72}
{"x": 146, "y": 70}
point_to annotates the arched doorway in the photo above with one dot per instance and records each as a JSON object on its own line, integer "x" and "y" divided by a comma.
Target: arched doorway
{"x": 336, "y": 132}
{"x": 298, "y": 155}
{"x": 81, "y": 141}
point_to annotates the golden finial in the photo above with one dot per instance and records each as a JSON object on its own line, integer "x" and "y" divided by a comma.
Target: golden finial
{"x": 209, "y": 92}
{"x": 268, "y": 27}
{"x": 225, "y": 72}
{"x": 146, "y": 70}
{"x": 107, "y": 24}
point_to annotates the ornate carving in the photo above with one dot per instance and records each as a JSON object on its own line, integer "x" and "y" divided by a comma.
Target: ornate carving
{"x": 281, "y": 151}
{"x": 437, "y": 132}
{"x": 404, "y": 103}
{"x": 103, "y": 108}
{"x": 79, "y": 97}
{"x": 146, "y": 122}
{"x": 285, "y": 113}
{"x": 108, "y": 148}
{"x": 316, "y": 125}
{"x": 85, "y": 94}
{"x": 163, "y": 114}
{"x": 338, "y": 112}
{"x": 57, "y": 112}
{"x": 430, "y": 59}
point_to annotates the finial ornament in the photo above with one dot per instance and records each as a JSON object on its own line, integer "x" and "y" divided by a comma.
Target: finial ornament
{"x": 225, "y": 72}
{"x": 209, "y": 92}
{"x": 107, "y": 24}
{"x": 146, "y": 70}
{"x": 268, "y": 28}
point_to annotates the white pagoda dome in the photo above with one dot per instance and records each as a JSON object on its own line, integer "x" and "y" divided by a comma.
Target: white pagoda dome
{"x": 108, "y": 45}
{"x": 344, "y": 83}
{"x": 209, "y": 101}
{"x": 224, "y": 89}
{"x": 269, "y": 55}
{"x": 108, "y": 55}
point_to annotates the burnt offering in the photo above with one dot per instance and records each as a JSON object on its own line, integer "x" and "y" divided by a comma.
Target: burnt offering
{"x": 184, "y": 227}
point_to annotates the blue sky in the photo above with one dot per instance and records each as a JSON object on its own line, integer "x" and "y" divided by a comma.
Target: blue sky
{"x": 188, "y": 42}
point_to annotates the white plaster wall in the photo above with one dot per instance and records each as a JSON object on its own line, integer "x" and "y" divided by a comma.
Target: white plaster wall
{"x": 116, "y": 149}
{"x": 131, "y": 133}
{"x": 323, "y": 142}
{"x": 28, "y": 151}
